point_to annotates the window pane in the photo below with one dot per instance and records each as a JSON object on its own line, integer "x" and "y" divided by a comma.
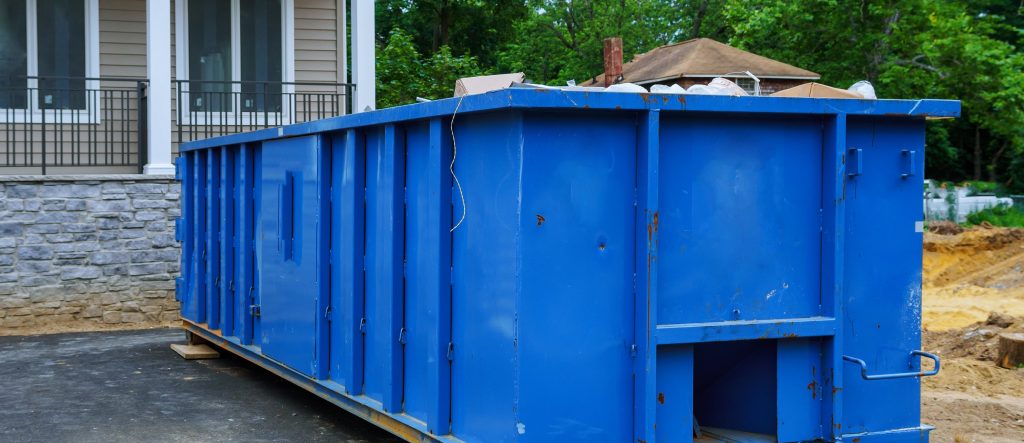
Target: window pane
{"x": 209, "y": 55}
{"x": 13, "y": 61}
{"x": 261, "y": 55}
{"x": 61, "y": 25}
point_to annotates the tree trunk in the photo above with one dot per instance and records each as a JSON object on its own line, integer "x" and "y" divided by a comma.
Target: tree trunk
{"x": 1011, "y": 350}
{"x": 977, "y": 153}
{"x": 699, "y": 19}
{"x": 993, "y": 176}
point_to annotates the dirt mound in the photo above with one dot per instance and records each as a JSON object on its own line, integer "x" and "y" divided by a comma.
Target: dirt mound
{"x": 944, "y": 228}
{"x": 967, "y": 276}
{"x": 972, "y": 399}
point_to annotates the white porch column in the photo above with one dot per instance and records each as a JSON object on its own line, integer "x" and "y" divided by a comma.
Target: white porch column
{"x": 158, "y": 69}
{"x": 364, "y": 59}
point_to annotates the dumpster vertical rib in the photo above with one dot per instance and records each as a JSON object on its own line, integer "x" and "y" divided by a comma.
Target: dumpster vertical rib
{"x": 438, "y": 222}
{"x": 212, "y": 240}
{"x": 646, "y": 284}
{"x": 347, "y": 249}
{"x": 197, "y": 304}
{"x": 388, "y": 264}
{"x": 832, "y": 256}
{"x": 322, "y": 358}
{"x": 185, "y": 227}
{"x": 226, "y": 240}
{"x": 244, "y": 282}
{"x": 255, "y": 297}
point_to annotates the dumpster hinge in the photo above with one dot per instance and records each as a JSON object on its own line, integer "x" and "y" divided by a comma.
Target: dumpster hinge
{"x": 632, "y": 350}
{"x": 179, "y": 168}
{"x": 401, "y": 336}
{"x": 451, "y": 351}
{"x": 327, "y": 313}
{"x": 362, "y": 325}
{"x": 254, "y": 310}
{"x": 179, "y": 229}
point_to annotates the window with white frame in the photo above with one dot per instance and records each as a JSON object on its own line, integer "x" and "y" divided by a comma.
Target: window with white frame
{"x": 48, "y": 56}
{"x": 233, "y": 57}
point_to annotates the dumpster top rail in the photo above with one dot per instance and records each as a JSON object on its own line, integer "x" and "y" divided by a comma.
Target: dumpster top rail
{"x": 541, "y": 99}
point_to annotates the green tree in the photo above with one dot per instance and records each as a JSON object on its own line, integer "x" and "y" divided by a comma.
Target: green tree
{"x": 563, "y": 39}
{"x": 907, "y": 48}
{"x": 403, "y": 74}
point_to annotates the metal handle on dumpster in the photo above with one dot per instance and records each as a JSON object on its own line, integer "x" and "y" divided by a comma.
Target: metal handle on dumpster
{"x": 911, "y": 160}
{"x": 864, "y": 368}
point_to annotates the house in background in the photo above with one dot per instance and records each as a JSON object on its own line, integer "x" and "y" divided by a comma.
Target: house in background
{"x": 113, "y": 86}
{"x": 697, "y": 61}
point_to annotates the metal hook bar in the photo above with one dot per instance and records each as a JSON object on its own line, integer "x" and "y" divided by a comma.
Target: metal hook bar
{"x": 864, "y": 368}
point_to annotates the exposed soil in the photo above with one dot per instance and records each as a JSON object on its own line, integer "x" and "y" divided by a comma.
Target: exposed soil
{"x": 973, "y": 290}
{"x": 969, "y": 275}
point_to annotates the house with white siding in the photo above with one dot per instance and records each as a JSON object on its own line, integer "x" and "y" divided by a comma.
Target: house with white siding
{"x": 113, "y": 86}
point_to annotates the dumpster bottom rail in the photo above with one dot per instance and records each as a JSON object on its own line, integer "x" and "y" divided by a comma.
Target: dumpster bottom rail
{"x": 326, "y": 390}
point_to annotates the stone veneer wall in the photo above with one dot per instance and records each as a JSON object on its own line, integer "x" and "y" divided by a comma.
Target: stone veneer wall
{"x": 87, "y": 251}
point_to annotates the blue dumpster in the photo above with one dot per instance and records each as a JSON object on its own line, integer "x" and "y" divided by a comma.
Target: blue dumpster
{"x": 545, "y": 265}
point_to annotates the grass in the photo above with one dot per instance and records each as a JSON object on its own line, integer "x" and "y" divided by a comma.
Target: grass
{"x": 1002, "y": 215}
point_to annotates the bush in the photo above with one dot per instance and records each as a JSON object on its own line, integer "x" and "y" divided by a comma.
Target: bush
{"x": 982, "y": 187}
{"x": 1002, "y": 215}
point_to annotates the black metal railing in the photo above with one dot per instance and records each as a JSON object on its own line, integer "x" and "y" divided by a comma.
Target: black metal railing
{"x": 214, "y": 108}
{"x": 49, "y": 122}
{"x": 67, "y": 122}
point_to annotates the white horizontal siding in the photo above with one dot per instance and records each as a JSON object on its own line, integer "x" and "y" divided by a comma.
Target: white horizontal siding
{"x": 316, "y": 41}
{"x": 122, "y": 38}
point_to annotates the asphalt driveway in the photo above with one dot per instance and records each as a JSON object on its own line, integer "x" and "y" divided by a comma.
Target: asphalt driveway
{"x": 128, "y": 386}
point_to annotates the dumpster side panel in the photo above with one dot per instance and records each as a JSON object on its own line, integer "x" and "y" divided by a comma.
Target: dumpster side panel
{"x": 485, "y": 279}
{"x": 883, "y": 274}
{"x": 739, "y": 218}
{"x": 427, "y": 380}
{"x": 385, "y": 248}
{"x": 347, "y": 248}
{"x": 290, "y": 246}
{"x": 575, "y": 313}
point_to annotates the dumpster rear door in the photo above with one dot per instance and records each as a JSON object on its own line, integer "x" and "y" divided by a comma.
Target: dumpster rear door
{"x": 288, "y": 256}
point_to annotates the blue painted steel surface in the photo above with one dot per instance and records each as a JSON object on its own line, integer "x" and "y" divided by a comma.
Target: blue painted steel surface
{"x": 630, "y": 267}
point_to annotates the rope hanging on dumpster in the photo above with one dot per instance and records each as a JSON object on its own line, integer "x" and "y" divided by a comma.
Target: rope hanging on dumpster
{"x": 451, "y": 167}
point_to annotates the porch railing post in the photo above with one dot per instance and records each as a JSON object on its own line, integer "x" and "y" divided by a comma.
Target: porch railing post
{"x": 142, "y": 126}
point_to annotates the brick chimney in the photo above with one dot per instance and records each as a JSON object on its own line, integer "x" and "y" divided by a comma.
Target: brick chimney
{"x": 612, "y": 60}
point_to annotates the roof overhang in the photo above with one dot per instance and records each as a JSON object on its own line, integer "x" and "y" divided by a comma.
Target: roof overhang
{"x": 730, "y": 75}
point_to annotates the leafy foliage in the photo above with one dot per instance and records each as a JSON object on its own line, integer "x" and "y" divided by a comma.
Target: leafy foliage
{"x": 1002, "y": 215}
{"x": 403, "y": 74}
{"x": 969, "y": 50}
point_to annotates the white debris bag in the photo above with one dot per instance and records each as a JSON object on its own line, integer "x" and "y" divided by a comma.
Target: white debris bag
{"x": 662, "y": 89}
{"x": 863, "y": 88}
{"x": 625, "y": 87}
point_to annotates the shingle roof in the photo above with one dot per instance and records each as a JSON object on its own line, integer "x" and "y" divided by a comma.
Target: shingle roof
{"x": 701, "y": 57}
